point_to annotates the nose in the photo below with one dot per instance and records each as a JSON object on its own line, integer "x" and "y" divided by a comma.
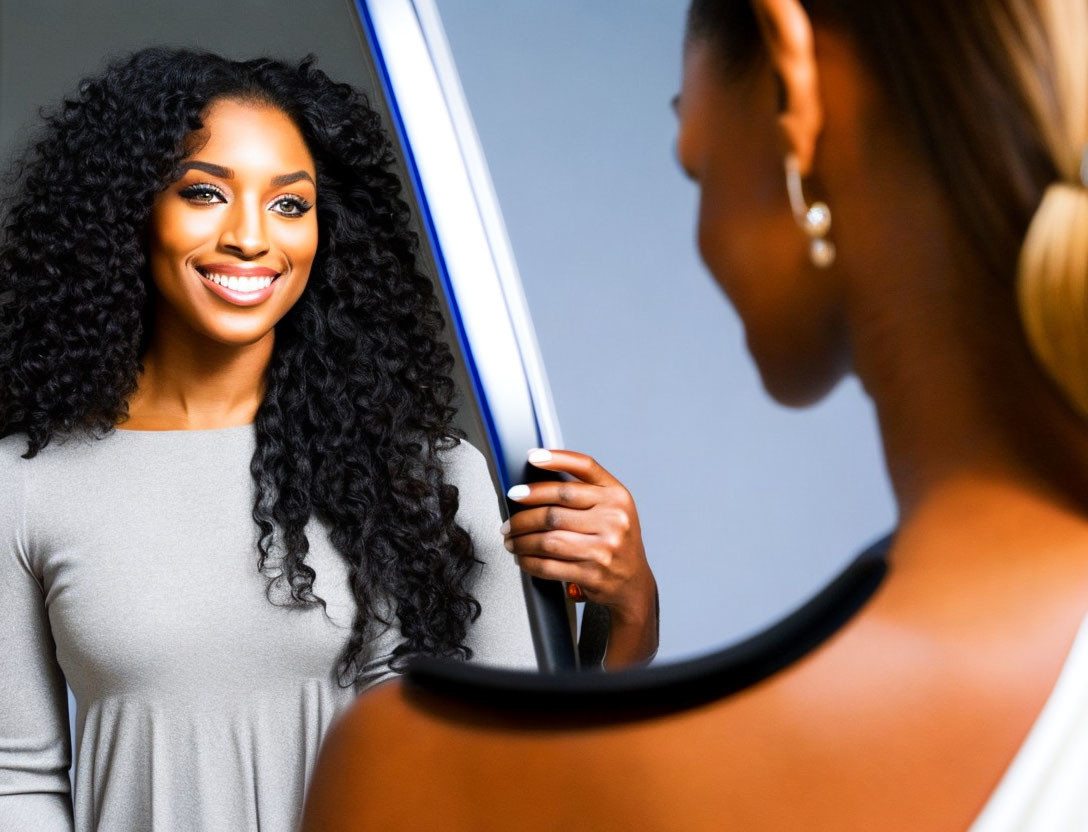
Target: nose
{"x": 244, "y": 234}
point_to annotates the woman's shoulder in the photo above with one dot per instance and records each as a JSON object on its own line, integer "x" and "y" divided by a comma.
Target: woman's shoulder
{"x": 477, "y": 494}
{"x": 13, "y": 468}
{"x": 14, "y": 447}
{"x": 462, "y": 458}
{"x": 12, "y": 452}
{"x": 61, "y": 457}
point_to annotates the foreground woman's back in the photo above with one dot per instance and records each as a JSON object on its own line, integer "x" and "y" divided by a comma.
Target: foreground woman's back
{"x": 895, "y": 723}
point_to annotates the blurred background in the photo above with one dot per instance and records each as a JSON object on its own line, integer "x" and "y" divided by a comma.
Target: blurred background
{"x": 746, "y": 508}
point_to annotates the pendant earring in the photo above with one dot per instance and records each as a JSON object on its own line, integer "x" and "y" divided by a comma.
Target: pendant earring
{"x": 814, "y": 220}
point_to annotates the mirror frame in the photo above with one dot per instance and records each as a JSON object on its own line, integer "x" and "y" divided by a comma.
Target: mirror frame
{"x": 476, "y": 267}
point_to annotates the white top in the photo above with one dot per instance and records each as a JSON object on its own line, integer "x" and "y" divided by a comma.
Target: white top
{"x": 128, "y": 568}
{"x": 1045, "y": 789}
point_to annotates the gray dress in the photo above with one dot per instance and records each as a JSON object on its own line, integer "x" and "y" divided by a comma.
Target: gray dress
{"x": 128, "y": 569}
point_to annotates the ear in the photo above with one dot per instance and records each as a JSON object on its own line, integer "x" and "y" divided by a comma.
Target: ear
{"x": 787, "y": 31}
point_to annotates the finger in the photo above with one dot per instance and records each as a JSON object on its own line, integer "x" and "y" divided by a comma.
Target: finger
{"x": 559, "y": 545}
{"x": 576, "y": 495}
{"x": 585, "y": 468}
{"x": 556, "y": 570}
{"x": 550, "y": 518}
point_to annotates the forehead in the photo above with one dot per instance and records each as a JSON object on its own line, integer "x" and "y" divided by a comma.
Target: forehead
{"x": 250, "y": 137}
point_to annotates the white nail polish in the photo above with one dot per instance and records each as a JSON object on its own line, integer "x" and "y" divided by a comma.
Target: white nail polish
{"x": 504, "y": 529}
{"x": 518, "y": 492}
{"x": 540, "y": 455}
{"x": 509, "y": 545}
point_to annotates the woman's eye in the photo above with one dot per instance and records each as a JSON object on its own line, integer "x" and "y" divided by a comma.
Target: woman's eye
{"x": 291, "y": 206}
{"x": 202, "y": 194}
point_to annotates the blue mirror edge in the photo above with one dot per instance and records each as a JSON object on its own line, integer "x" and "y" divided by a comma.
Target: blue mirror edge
{"x": 550, "y": 613}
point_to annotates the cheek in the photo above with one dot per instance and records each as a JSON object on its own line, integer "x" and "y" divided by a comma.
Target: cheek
{"x": 175, "y": 236}
{"x": 745, "y": 238}
{"x": 298, "y": 241}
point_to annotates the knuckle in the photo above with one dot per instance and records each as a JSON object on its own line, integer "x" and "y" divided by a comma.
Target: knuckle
{"x": 565, "y": 493}
{"x": 593, "y": 584}
{"x": 622, "y": 521}
{"x": 603, "y": 557}
{"x": 529, "y": 564}
{"x": 552, "y": 518}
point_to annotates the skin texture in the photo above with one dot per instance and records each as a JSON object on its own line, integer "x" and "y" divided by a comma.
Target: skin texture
{"x": 207, "y": 357}
{"x": 907, "y": 718}
{"x": 586, "y": 531}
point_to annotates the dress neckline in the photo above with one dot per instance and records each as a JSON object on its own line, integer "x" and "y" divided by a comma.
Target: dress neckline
{"x": 248, "y": 427}
{"x": 1036, "y": 783}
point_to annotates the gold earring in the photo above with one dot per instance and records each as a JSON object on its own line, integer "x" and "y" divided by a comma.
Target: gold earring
{"x": 814, "y": 220}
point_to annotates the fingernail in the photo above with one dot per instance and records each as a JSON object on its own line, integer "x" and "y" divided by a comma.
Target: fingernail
{"x": 509, "y": 544}
{"x": 518, "y": 492}
{"x": 505, "y": 528}
{"x": 539, "y": 455}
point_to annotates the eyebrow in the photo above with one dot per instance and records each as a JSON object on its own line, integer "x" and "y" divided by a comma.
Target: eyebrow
{"x": 227, "y": 173}
{"x": 207, "y": 167}
{"x": 288, "y": 178}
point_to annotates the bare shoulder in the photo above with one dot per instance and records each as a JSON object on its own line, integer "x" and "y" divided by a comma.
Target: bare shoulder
{"x": 888, "y": 726}
{"x": 373, "y": 758}
{"x": 906, "y": 719}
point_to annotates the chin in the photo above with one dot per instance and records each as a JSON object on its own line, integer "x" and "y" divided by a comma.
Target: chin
{"x": 230, "y": 333}
{"x": 798, "y": 395}
{"x": 799, "y": 383}
{"x": 234, "y": 338}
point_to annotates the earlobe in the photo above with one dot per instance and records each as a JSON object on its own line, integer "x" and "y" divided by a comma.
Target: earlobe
{"x": 787, "y": 31}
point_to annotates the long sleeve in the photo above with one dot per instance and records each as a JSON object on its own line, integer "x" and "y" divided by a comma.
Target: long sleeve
{"x": 500, "y": 636}
{"x": 34, "y": 741}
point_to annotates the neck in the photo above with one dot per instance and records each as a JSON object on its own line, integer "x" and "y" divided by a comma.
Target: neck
{"x": 964, "y": 409}
{"x": 191, "y": 382}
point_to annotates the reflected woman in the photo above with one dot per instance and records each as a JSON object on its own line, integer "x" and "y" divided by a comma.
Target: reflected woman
{"x": 231, "y": 495}
{"x": 948, "y": 139}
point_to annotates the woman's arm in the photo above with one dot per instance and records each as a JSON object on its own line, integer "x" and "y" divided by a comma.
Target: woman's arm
{"x": 587, "y": 532}
{"x": 35, "y": 750}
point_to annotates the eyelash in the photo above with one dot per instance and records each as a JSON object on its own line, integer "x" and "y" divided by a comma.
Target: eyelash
{"x": 193, "y": 193}
{"x": 301, "y": 206}
{"x": 200, "y": 192}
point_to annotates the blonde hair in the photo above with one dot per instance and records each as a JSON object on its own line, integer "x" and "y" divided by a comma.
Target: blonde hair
{"x": 1050, "y": 53}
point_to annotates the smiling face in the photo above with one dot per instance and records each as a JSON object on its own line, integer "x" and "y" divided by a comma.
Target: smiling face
{"x": 231, "y": 242}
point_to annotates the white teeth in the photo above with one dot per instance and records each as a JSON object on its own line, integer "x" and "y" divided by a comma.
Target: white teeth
{"x": 240, "y": 284}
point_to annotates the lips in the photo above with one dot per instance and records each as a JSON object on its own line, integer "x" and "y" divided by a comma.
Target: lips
{"x": 239, "y": 285}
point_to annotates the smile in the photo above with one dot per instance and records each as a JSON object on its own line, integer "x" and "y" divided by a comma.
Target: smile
{"x": 239, "y": 286}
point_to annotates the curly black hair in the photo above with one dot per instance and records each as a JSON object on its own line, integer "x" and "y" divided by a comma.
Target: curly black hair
{"x": 359, "y": 400}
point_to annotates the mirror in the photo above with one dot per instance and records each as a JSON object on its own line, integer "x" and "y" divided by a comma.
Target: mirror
{"x": 747, "y": 508}
{"x": 395, "y": 55}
